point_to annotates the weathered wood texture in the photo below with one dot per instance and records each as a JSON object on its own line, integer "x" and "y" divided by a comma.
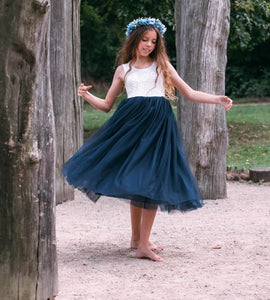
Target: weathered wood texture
{"x": 202, "y": 30}
{"x": 258, "y": 174}
{"x": 27, "y": 205}
{"x": 65, "y": 77}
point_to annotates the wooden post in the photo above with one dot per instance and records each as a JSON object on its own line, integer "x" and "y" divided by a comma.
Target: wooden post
{"x": 202, "y": 29}
{"x": 260, "y": 174}
{"x": 65, "y": 78}
{"x": 28, "y": 265}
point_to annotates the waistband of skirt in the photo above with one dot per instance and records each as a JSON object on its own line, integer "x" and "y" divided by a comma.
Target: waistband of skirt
{"x": 147, "y": 98}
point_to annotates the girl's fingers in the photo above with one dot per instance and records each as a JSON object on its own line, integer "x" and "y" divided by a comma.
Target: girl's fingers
{"x": 230, "y": 102}
{"x": 227, "y": 102}
{"x": 83, "y": 87}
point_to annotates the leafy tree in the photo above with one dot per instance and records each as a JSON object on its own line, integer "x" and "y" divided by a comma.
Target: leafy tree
{"x": 248, "y": 49}
{"x": 99, "y": 40}
{"x": 103, "y": 30}
{"x": 103, "y": 26}
{"x": 250, "y": 24}
{"x": 248, "y": 72}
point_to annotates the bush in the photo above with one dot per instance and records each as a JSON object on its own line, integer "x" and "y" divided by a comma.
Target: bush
{"x": 248, "y": 72}
{"x": 244, "y": 82}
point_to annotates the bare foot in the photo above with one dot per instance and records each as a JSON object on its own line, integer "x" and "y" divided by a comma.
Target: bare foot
{"x": 134, "y": 245}
{"x": 147, "y": 253}
{"x": 155, "y": 247}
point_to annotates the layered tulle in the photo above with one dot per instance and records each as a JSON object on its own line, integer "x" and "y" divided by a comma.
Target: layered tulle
{"x": 138, "y": 155}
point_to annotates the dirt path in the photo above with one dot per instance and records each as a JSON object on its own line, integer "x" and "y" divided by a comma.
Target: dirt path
{"x": 221, "y": 251}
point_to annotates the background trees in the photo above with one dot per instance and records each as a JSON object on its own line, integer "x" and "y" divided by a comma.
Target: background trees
{"x": 248, "y": 69}
{"x": 31, "y": 86}
{"x": 247, "y": 73}
{"x": 103, "y": 29}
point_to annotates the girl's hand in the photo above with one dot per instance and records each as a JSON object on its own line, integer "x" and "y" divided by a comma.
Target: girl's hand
{"x": 83, "y": 89}
{"x": 226, "y": 102}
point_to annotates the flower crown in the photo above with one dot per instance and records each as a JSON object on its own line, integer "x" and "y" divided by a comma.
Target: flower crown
{"x": 144, "y": 22}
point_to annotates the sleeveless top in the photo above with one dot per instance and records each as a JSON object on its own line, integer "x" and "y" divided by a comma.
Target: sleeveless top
{"x": 142, "y": 82}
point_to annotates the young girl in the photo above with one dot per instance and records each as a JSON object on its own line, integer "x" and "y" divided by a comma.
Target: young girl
{"x": 138, "y": 153}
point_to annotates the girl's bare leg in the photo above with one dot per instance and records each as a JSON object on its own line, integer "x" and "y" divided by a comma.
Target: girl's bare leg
{"x": 136, "y": 222}
{"x": 144, "y": 249}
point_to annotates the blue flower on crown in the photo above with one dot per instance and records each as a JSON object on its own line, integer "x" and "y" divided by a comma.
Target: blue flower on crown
{"x": 144, "y": 22}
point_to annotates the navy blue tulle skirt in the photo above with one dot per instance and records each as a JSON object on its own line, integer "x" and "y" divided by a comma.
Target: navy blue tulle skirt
{"x": 138, "y": 155}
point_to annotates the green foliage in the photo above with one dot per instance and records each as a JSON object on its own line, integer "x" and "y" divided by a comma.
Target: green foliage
{"x": 103, "y": 25}
{"x": 163, "y": 10}
{"x": 243, "y": 83}
{"x": 99, "y": 40}
{"x": 248, "y": 72}
{"x": 248, "y": 66}
{"x": 250, "y": 23}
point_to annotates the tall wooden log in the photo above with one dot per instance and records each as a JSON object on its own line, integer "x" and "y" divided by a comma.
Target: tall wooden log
{"x": 202, "y": 29}
{"x": 65, "y": 75}
{"x": 27, "y": 205}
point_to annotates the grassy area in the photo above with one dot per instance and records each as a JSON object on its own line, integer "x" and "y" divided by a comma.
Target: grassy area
{"x": 249, "y": 132}
{"x": 93, "y": 118}
{"x": 249, "y": 136}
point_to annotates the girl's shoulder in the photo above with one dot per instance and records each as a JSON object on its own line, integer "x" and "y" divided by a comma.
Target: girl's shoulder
{"x": 125, "y": 66}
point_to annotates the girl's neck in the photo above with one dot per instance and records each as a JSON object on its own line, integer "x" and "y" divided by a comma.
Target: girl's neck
{"x": 142, "y": 62}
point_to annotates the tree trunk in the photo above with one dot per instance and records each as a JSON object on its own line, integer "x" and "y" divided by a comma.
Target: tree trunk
{"x": 202, "y": 30}
{"x": 28, "y": 267}
{"x": 65, "y": 75}
{"x": 260, "y": 174}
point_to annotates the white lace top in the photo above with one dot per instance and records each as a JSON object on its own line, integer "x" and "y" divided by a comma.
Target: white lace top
{"x": 141, "y": 82}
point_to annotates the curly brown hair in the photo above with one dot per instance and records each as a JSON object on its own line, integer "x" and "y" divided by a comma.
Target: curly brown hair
{"x": 128, "y": 54}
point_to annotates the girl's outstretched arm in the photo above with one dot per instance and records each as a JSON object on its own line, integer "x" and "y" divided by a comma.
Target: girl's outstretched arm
{"x": 197, "y": 96}
{"x": 106, "y": 104}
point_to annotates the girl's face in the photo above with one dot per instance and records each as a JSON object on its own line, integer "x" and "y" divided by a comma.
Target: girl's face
{"x": 147, "y": 44}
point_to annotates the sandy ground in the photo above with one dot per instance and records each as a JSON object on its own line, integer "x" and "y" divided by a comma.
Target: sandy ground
{"x": 221, "y": 251}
